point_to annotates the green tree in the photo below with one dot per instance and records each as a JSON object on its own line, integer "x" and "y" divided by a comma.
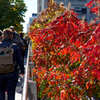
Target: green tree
{"x": 12, "y": 13}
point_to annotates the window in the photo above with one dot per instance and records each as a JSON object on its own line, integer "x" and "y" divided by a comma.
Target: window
{"x": 84, "y": 10}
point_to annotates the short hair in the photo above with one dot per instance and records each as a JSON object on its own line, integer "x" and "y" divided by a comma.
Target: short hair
{"x": 21, "y": 34}
{"x": 11, "y": 27}
{"x": 7, "y": 32}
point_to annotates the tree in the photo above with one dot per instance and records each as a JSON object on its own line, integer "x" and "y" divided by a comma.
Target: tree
{"x": 12, "y": 13}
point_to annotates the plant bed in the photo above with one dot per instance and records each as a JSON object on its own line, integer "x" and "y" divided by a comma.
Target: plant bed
{"x": 67, "y": 57}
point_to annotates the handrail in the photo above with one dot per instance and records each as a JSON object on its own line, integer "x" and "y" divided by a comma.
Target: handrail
{"x": 24, "y": 93}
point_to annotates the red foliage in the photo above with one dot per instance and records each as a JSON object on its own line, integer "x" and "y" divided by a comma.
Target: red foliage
{"x": 95, "y": 9}
{"x": 90, "y": 4}
{"x": 69, "y": 53}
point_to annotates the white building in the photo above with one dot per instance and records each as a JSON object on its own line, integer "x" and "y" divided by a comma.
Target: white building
{"x": 34, "y": 15}
{"x": 40, "y": 5}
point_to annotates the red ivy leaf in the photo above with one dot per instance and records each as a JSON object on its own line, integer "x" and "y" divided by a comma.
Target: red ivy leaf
{"x": 95, "y": 10}
{"x": 90, "y": 4}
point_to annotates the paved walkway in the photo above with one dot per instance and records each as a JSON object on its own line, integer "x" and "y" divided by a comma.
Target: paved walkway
{"x": 18, "y": 94}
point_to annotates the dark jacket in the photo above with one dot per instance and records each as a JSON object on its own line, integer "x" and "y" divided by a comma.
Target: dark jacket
{"x": 17, "y": 56}
{"x": 18, "y": 40}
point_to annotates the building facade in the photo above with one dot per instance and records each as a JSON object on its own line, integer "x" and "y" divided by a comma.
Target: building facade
{"x": 78, "y": 6}
{"x": 34, "y": 15}
{"x": 40, "y": 5}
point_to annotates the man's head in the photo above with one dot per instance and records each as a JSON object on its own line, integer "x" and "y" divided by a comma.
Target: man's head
{"x": 8, "y": 34}
{"x": 12, "y": 28}
{"x": 21, "y": 35}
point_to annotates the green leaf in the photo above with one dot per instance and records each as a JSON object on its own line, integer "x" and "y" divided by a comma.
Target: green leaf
{"x": 12, "y": 15}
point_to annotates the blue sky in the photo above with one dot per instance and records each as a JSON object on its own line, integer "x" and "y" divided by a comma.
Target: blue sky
{"x": 31, "y": 8}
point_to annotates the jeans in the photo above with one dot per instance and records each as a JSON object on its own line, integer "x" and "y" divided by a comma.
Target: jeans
{"x": 8, "y": 84}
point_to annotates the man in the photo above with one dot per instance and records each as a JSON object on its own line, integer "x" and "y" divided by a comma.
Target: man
{"x": 8, "y": 81}
{"x": 16, "y": 37}
{"x": 25, "y": 43}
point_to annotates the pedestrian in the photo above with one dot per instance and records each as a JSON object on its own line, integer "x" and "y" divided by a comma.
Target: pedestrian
{"x": 9, "y": 71}
{"x": 25, "y": 43}
{"x": 16, "y": 37}
{"x": 27, "y": 39}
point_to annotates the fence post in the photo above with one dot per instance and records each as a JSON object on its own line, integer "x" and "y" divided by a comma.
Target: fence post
{"x": 30, "y": 87}
{"x": 32, "y": 90}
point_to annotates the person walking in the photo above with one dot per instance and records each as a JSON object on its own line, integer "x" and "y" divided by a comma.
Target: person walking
{"x": 16, "y": 37}
{"x": 9, "y": 73}
{"x": 27, "y": 39}
{"x": 25, "y": 43}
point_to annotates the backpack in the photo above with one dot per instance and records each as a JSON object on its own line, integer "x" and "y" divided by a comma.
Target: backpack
{"x": 6, "y": 60}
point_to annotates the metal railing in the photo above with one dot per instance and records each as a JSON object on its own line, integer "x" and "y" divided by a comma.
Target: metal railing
{"x": 24, "y": 93}
{"x": 29, "y": 87}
